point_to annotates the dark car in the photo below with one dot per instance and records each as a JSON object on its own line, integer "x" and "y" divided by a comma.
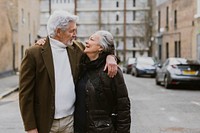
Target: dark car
{"x": 178, "y": 71}
{"x": 144, "y": 66}
{"x": 128, "y": 65}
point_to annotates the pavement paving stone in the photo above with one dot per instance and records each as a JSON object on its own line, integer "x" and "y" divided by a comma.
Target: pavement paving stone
{"x": 8, "y": 85}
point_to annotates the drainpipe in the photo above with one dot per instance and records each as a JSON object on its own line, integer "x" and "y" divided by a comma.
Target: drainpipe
{"x": 75, "y": 7}
{"x": 124, "y": 30}
{"x": 49, "y": 7}
{"x": 99, "y": 15}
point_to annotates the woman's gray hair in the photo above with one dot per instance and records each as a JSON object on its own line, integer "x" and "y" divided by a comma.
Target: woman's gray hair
{"x": 106, "y": 41}
{"x": 59, "y": 19}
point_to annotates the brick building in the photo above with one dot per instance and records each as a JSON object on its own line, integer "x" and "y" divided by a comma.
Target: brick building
{"x": 176, "y": 29}
{"x": 19, "y": 21}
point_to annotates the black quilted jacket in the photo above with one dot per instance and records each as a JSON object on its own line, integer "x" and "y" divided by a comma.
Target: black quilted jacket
{"x": 102, "y": 104}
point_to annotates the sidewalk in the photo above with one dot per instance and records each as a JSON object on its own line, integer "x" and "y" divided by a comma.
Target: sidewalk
{"x": 8, "y": 85}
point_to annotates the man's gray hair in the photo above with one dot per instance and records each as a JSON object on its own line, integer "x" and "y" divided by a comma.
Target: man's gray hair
{"x": 59, "y": 19}
{"x": 106, "y": 41}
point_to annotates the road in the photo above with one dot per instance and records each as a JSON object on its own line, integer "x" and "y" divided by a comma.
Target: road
{"x": 154, "y": 109}
{"x": 158, "y": 110}
{"x": 10, "y": 119}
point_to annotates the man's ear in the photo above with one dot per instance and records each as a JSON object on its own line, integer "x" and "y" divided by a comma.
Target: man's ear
{"x": 58, "y": 32}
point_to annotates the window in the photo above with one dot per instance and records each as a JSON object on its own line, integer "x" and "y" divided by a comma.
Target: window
{"x": 159, "y": 52}
{"x": 117, "y": 30}
{"x": 117, "y": 17}
{"x": 134, "y": 3}
{"x": 133, "y": 42}
{"x": 134, "y": 15}
{"x": 133, "y": 54}
{"x": 117, "y": 43}
{"x": 29, "y": 19}
{"x": 22, "y": 52}
{"x": 29, "y": 38}
{"x": 198, "y": 8}
{"x": 175, "y": 19}
{"x": 117, "y": 4}
{"x": 159, "y": 21}
{"x": 167, "y": 50}
{"x": 167, "y": 18}
{"x": 22, "y": 13}
{"x": 198, "y": 47}
{"x": 177, "y": 49}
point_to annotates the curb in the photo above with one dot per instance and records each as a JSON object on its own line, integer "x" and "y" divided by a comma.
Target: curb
{"x": 8, "y": 92}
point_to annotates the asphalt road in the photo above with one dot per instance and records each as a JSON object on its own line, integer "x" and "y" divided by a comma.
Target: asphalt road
{"x": 154, "y": 109}
{"x": 159, "y": 110}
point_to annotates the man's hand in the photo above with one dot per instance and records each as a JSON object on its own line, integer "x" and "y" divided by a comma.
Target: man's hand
{"x": 41, "y": 41}
{"x": 111, "y": 65}
{"x": 33, "y": 131}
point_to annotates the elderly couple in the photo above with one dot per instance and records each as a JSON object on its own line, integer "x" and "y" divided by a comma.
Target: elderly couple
{"x": 68, "y": 87}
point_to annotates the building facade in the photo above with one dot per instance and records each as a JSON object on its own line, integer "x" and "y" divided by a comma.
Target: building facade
{"x": 127, "y": 20}
{"x": 8, "y": 30}
{"x": 197, "y": 30}
{"x": 176, "y": 29}
{"x": 19, "y": 28}
{"x": 28, "y": 26}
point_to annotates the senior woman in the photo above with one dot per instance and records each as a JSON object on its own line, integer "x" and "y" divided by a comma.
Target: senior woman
{"x": 102, "y": 103}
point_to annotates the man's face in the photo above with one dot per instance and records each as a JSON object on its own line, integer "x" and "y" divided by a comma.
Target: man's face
{"x": 68, "y": 35}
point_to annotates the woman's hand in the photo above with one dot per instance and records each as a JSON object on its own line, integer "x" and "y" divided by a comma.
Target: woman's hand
{"x": 41, "y": 41}
{"x": 111, "y": 65}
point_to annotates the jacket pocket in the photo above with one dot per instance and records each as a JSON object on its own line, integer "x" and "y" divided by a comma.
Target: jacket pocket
{"x": 102, "y": 126}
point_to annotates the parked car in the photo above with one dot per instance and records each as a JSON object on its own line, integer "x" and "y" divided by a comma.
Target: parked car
{"x": 144, "y": 66}
{"x": 128, "y": 65}
{"x": 178, "y": 71}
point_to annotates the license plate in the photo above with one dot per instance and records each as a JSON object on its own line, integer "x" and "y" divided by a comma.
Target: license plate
{"x": 189, "y": 72}
{"x": 150, "y": 72}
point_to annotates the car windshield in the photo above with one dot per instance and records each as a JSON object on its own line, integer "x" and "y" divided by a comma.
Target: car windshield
{"x": 131, "y": 61}
{"x": 146, "y": 61}
{"x": 178, "y": 61}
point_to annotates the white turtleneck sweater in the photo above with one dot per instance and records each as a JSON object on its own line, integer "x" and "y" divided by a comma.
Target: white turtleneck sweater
{"x": 64, "y": 84}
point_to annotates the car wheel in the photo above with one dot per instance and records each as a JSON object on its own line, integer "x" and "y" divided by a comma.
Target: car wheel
{"x": 166, "y": 83}
{"x": 136, "y": 74}
{"x": 132, "y": 73}
{"x": 157, "y": 82}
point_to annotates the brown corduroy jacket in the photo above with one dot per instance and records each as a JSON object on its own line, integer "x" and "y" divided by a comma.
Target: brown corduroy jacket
{"x": 37, "y": 85}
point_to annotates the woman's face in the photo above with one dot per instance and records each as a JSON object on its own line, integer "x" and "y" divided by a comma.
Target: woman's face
{"x": 92, "y": 45}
